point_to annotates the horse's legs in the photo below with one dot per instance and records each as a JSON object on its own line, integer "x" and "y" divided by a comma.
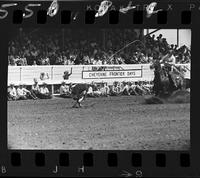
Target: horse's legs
{"x": 79, "y": 104}
{"x": 181, "y": 84}
{"x": 80, "y": 100}
{"x": 82, "y": 97}
{"x": 74, "y": 106}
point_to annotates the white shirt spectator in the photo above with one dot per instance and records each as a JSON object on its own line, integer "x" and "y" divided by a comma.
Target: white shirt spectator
{"x": 20, "y": 92}
{"x": 35, "y": 87}
{"x": 44, "y": 76}
{"x": 44, "y": 90}
{"x": 90, "y": 90}
{"x": 115, "y": 89}
{"x": 91, "y": 60}
{"x": 13, "y": 91}
{"x": 86, "y": 59}
{"x": 65, "y": 60}
{"x": 99, "y": 62}
{"x": 169, "y": 59}
{"x": 97, "y": 92}
{"x": 34, "y": 63}
{"x": 25, "y": 90}
{"x": 24, "y": 61}
{"x": 133, "y": 86}
{"x": 126, "y": 87}
{"x": 172, "y": 59}
{"x": 104, "y": 90}
{"x": 64, "y": 89}
{"x": 104, "y": 62}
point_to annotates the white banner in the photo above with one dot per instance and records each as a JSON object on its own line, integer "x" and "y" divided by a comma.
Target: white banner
{"x": 84, "y": 73}
{"x": 134, "y": 73}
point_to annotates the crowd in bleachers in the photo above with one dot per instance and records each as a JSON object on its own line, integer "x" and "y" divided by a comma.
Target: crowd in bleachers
{"x": 91, "y": 46}
{"x": 158, "y": 48}
{"x": 36, "y": 91}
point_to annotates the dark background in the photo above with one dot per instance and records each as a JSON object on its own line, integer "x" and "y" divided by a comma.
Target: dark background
{"x": 101, "y": 168}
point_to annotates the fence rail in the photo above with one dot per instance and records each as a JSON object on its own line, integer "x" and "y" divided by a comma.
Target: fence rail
{"x": 84, "y": 73}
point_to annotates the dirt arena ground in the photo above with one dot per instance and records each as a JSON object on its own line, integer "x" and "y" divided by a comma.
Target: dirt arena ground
{"x": 110, "y": 123}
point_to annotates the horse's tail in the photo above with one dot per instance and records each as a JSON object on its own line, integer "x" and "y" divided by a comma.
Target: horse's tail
{"x": 172, "y": 82}
{"x": 157, "y": 83}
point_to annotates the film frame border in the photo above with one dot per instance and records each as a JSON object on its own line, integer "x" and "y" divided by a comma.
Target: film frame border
{"x": 77, "y": 165}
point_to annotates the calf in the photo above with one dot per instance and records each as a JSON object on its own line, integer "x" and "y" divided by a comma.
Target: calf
{"x": 79, "y": 92}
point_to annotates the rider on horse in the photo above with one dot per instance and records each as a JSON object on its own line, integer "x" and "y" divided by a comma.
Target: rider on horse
{"x": 170, "y": 69}
{"x": 167, "y": 78}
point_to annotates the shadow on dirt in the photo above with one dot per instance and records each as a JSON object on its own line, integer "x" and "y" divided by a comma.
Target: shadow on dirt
{"x": 82, "y": 107}
{"x": 179, "y": 96}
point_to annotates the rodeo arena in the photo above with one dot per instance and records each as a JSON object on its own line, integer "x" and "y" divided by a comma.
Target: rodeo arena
{"x": 99, "y": 89}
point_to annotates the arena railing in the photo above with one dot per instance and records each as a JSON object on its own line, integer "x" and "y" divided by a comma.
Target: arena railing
{"x": 81, "y": 73}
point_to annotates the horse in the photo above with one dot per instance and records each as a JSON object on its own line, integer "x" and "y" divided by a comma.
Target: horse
{"x": 166, "y": 81}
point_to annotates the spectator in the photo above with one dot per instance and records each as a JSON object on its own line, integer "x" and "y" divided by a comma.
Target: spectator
{"x": 93, "y": 90}
{"x": 132, "y": 88}
{"x": 86, "y": 47}
{"x": 44, "y": 76}
{"x": 90, "y": 92}
{"x": 44, "y": 92}
{"x": 27, "y": 93}
{"x": 105, "y": 91}
{"x": 125, "y": 90}
{"x": 169, "y": 58}
{"x": 35, "y": 89}
{"x": 139, "y": 88}
{"x": 12, "y": 93}
{"x": 67, "y": 74}
{"x": 20, "y": 93}
{"x": 64, "y": 90}
{"x": 96, "y": 91}
{"x": 114, "y": 89}
{"x": 34, "y": 63}
{"x": 146, "y": 87}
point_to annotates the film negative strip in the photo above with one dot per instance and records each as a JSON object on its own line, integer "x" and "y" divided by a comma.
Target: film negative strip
{"x": 99, "y": 88}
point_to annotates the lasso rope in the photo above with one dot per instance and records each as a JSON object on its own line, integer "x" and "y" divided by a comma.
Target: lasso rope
{"x": 127, "y": 46}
